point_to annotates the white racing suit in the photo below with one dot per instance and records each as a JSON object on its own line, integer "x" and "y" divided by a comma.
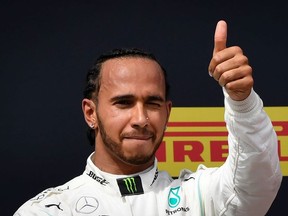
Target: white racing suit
{"x": 246, "y": 184}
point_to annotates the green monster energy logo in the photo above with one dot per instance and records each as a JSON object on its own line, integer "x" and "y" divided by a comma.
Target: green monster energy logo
{"x": 130, "y": 185}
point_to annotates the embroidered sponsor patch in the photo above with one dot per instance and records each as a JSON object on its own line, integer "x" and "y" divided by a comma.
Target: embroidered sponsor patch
{"x": 130, "y": 186}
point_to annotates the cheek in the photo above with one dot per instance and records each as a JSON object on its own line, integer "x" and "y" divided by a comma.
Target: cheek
{"x": 113, "y": 120}
{"x": 116, "y": 115}
{"x": 159, "y": 121}
{"x": 107, "y": 112}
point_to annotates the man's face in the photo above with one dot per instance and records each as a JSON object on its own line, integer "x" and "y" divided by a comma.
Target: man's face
{"x": 131, "y": 112}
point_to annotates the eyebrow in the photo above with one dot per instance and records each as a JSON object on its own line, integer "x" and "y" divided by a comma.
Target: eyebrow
{"x": 121, "y": 97}
{"x": 155, "y": 98}
{"x": 130, "y": 96}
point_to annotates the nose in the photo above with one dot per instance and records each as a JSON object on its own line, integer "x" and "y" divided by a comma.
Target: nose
{"x": 139, "y": 117}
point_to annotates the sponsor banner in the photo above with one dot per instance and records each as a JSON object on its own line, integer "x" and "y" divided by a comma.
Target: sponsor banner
{"x": 199, "y": 136}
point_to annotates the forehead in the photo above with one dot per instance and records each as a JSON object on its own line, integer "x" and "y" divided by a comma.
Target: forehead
{"x": 131, "y": 70}
{"x": 133, "y": 63}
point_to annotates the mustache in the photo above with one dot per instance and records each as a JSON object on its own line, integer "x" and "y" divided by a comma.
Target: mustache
{"x": 142, "y": 133}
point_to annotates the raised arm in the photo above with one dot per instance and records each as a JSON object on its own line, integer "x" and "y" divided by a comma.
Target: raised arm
{"x": 249, "y": 180}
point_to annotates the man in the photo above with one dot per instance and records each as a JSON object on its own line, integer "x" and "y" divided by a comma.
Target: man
{"x": 127, "y": 108}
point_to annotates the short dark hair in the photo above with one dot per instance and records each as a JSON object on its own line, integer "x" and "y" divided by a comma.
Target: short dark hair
{"x": 93, "y": 77}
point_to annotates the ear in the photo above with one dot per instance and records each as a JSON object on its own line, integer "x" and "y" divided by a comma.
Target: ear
{"x": 89, "y": 111}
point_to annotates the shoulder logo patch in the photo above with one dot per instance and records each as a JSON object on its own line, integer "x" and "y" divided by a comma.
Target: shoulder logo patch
{"x": 173, "y": 197}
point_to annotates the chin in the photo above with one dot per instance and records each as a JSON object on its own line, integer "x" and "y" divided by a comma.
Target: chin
{"x": 139, "y": 160}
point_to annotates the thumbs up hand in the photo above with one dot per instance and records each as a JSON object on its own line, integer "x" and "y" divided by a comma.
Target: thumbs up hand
{"x": 229, "y": 66}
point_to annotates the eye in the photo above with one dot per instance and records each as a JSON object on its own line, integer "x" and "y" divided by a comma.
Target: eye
{"x": 123, "y": 103}
{"x": 154, "y": 104}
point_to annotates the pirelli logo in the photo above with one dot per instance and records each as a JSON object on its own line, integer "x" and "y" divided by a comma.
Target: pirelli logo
{"x": 199, "y": 136}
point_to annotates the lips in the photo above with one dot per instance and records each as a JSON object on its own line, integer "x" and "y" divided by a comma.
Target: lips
{"x": 139, "y": 137}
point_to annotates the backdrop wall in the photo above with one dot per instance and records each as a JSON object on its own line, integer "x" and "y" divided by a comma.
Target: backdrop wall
{"x": 47, "y": 47}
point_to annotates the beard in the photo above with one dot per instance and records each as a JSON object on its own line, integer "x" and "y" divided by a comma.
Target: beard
{"x": 115, "y": 148}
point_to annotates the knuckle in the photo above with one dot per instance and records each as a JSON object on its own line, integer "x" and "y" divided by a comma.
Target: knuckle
{"x": 243, "y": 60}
{"x": 237, "y": 49}
{"x": 225, "y": 77}
{"x": 250, "y": 81}
{"x": 247, "y": 70}
{"x": 250, "y": 69}
{"x": 216, "y": 58}
{"x": 229, "y": 86}
{"x": 218, "y": 69}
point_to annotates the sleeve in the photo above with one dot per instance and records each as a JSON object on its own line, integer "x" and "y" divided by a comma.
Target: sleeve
{"x": 247, "y": 183}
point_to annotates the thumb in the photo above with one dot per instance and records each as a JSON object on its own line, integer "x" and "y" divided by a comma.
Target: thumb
{"x": 220, "y": 36}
